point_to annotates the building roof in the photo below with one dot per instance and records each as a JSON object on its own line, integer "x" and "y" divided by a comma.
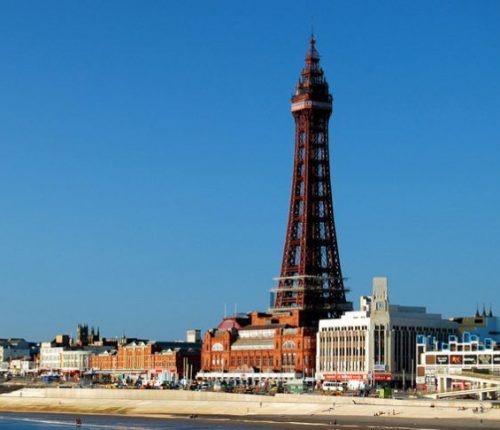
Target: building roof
{"x": 175, "y": 345}
{"x": 167, "y": 345}
{"x": 230, "y": 323}
{"x": 107, "y": 352}
{"x": 14, "y": 343}
{"x": 265, "y": 327}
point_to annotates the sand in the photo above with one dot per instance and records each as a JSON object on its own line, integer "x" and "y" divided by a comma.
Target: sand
{"x": 304, "y": 410}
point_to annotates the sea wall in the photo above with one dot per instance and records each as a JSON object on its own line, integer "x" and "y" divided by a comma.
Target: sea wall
{"x": 181, "y": 395}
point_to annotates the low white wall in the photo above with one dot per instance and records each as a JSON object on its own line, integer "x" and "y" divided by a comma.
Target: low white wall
{"x": 179, "y": 395}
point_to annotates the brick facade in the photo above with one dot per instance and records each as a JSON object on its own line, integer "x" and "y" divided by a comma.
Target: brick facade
{"x": 150, "y": 357}
{"x": 260, "y": 342}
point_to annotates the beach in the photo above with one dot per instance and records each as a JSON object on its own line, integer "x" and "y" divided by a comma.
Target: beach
{"x": 282, "y": 411}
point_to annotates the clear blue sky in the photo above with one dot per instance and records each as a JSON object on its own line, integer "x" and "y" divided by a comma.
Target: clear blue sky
{"x": 146, "y": 156}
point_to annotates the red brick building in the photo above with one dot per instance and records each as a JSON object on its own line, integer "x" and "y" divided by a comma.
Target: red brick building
{"x": 171, "y": 360}
{"x": 259, "y": 343}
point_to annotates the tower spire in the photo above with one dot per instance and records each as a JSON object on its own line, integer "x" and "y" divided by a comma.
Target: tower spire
{"x": 312, "y": 53}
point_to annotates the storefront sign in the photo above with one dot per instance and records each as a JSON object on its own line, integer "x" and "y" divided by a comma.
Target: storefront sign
{"x": 456, "y": 359}
{"x": 496, "y": 359}
{"x": 470, "y": 359}
{"x": 345, "y": 377}
{"x": 442, "y": 359}
{"x": 382, "y": 377}
{"x": 484, "y": 359}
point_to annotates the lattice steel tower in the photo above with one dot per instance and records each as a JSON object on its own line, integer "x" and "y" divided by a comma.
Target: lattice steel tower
{"x": 311, "y": 278}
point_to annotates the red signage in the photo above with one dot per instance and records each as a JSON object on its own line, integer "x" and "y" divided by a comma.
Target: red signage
{"x": 345, "y": 377}
{"x": 382, "y": 377}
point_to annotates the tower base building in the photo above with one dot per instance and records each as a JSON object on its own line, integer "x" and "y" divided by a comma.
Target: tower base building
{"x": 258, "y": 346}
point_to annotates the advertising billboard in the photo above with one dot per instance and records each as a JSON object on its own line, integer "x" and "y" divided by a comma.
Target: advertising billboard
{"x": 470, "y": 359}
{"x": 456, "y": 359}
{"x": 484, "y": 359}
{"x": 442, "y": 359}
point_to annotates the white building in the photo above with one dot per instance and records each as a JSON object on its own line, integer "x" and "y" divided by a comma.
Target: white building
{"x": 61, "y": 357}
{"x": 75, "y": 360}
{"x": 22, "y": 367}
{"x": 376, "y": 343}
{"x": 50, "y": 356}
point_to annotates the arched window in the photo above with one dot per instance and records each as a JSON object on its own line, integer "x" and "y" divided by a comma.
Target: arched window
{"x": 289, "y": 344}
{"x": 217, "y": 347}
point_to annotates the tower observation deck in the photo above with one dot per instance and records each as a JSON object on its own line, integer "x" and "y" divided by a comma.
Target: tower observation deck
{"x": 311, "y": 277}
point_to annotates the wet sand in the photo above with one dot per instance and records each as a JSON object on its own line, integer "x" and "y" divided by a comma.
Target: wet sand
{"x": 288, "y": 423}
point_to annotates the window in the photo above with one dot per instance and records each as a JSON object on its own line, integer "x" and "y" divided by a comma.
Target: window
{"x": 322, "y": 230}
{"x": 296, "y": 261}
{"x": 299, "y": 190}
{"x": 321, "y": 189}
{"x": 321, "y": 209}
{"x": 299, "y": 208}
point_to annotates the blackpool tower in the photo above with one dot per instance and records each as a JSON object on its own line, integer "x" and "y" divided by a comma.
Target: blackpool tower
{"x": 311, "y": 280}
